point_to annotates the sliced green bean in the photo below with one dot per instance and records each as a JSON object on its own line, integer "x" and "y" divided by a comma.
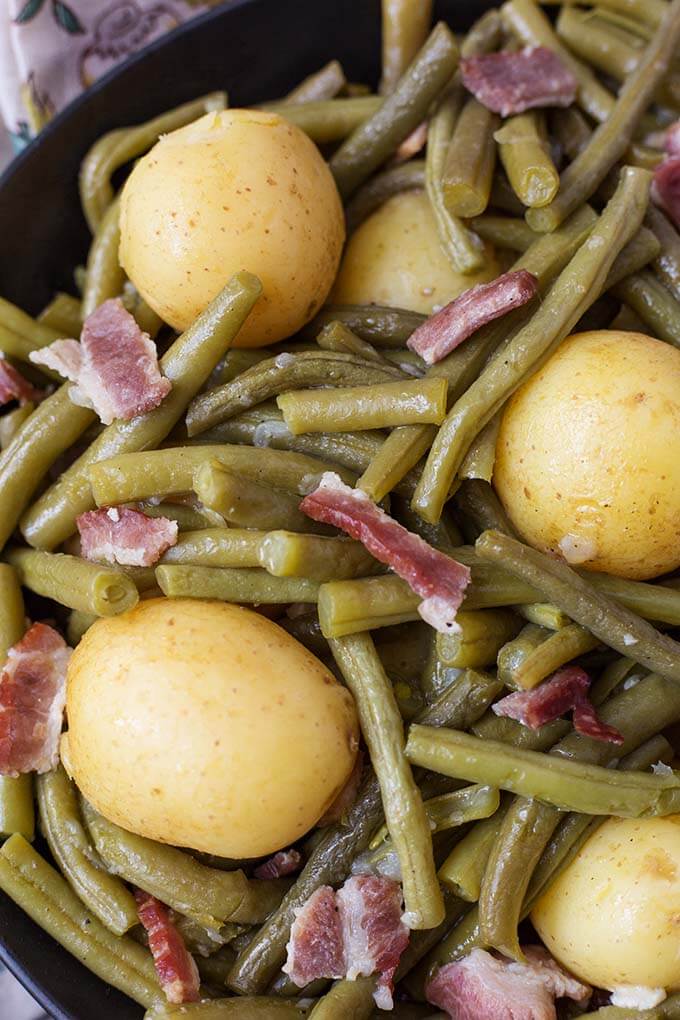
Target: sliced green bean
{"x": 376, "y": 191}
{"x": 655, "y": 305}
{"x": 32, "y": 331}
{"x": 463, "y": 870}
{"x": 74, "y": 582}
{"x": 16, "y": 793}
{"x": 667, "y": 262}
{"x": 12, "y": 612}
{"x": 645, "y": 12}
{"x": 546, "y": 656}
{"x": 11, "y": 422}
{"x": 287, "y": 554}
{"x": 322, "y": 84}
{"x": 217, "y": 547}
{"x": 78, "y": 624}
{"x": 187, "y": 518}
{"x": 245, "y": 503}
{"x": 470, "y": 161}
{"x": 544, "y": 615}
{"x": 104, "y": 277}
{"x": 63, "y": 314}
{"x": 380, "y": 325}
{"x": 255, "y": 1008}
{"x": 233, "y": 585}
{"x": 338, "y": 338}
{"x": 400, "y": 113}
{"x": 451, "y": 810}
{"x": 572, "y": 293}
{"x": 331, "y": 120}
{"x": 404, "y": 30}
{"x": 525, "y": 153}
{"x": 346, "y": 999}
{"x": 477, "y": 501}
{"x": 46, "y": 897}
{"x": 504, "y": 231}
{"x": 187, "y": 364}
{"x": 480, "y": 459}
{"x": 482, "y": 634}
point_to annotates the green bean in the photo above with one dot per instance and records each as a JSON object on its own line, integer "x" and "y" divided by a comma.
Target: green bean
{"x": 480, "y": 459}
{"x": 248, "y": 504}
{"x": 482, "y": 634}
{"x": 147, "y": 320}
{"x": 504, "y": 231}
{"x": 187, "y": 364}
{"x": 404, "y": 30}
{"x": 570, "y": 295}
{"x": 365, "y": 407}
{"x": 477, "y": 501}
{"x": 399, "y": 114}
{"x": 640, "y": 250}
{"x": 217, "y": 547}
{"x": 121, "y": 146}
{"x": 380, "y": 325}
{"x": 63, "y": 314}
{"x": 256, "y": 1008}
{"x": 667, "y": 263}
{"x": 103, "y": 894}
{"x": 556, "y": 650}
{"x": 463, "y": 869}
{"x": 602, "y": 616}
{"x": 331, "y": 120}
{"x": 188, "y": 518}
{"x": 33, "y": 332}
{"x": 525, "y": 153}
{"x": 346, "y": 999}
{"x": 11, "y": 422}
{"x": 450, "y": 810}
{"x": 104, "y": 276}
{"x": 470, "y": 161}
{"x": 654, "y": 304}
{"x": 286, "y": 554}
{"x": 236, "y": 361}
{"x": 323, "y": 84}
{"x": 74, "y": 582}
{"x": 46, "y": 897}
{"x": 376, "y": 191}
{"x": 330, "y": 861}
{"x": 338, "y": 338}
{"x": 233, "y": 585}
{"x": 12, "y": 614}
{"x": 404, "y": 447}
{"x": 278, "y": 375}
{"x": 78, "y": 624}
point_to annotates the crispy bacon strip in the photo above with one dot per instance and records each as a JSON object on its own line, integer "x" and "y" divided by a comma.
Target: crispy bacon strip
{"x": 438, "y": 579}
{"x": 446, "y": 329}
{"x": 13, "y": 386}
{"x": 125, "y": 536}
{"x": 666, "y": 188}
{"x": 315, "y": 948}
{"x": 114, "y": 367}
{"x": 512, "y": 82}
{"x": 482, "y": 986}
{"x": 285, "y": 862}
{"x": 175, "y": 966}
{"x": 32, "y": 699}
{"x": 565, "y": 691}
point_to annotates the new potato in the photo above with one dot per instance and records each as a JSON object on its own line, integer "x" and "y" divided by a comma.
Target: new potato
{"x": 206, "y": 725}
{"x": 395, "y": 258}
{"x": 588, "y": 455}
{"x": 238, "y": 189}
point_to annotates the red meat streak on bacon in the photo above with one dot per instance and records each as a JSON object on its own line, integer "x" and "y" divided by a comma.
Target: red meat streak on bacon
{"x": 565, "y": 691}
{"x": 356, "y": 931}
{"x": 176, "y": 968}
{"x": 666, "y": 188}
{"x": 438, "y": 579}
{"x": 482, "y": 986}
{"x": 285, "y": 862}
{"x": 114, "y": 367}
{"x": 13, "y": 386}
{"x": 446, "y": 329}
{"x": 512, "y": 82}
{"x": 32, "y": 699}
{"x": 126, "y": 536}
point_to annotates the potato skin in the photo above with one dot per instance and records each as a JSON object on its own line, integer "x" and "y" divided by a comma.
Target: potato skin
{"x": 394, "y": 258}
{"x": 613, "y": 916}
{"x": 238, "y": 189}
{"x": 589, "y": 451}
{"x": 206, "y": 725}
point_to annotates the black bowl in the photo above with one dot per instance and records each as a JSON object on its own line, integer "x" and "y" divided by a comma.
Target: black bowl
{"x": 257, "y": 50}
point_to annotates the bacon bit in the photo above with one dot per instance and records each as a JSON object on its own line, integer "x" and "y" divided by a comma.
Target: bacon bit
{"x": 671, "y": 142}
{"x": 175, "y": 966}
{"x": 315, "y": 948}
{"x": 374, "y": 933}
{"x": 13, "y": 386}
{"x": 285, "y": 862}
{"x": 567, "y": 689}
{"x": 32, "y": 699}
{"x": 482, "y": 986}
{"x": 345, "y": 799}
{"x": 412, "y": 144}
{"x": 125, "y": 536}
{"x": 114, "y": 367}
{"x": 512, "y": 82}
{"x": 444, "y": 331}
{"x": 666, "y": 188}
{"x": 438, "y": 579}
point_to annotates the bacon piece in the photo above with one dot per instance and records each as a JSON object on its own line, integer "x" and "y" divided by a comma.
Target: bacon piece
{"x": 114, "y": 368}
{"x": 567, "y": 689}
{"x": 285, "y": 862}
{"x": 374, "y": 934}
{"x": 315, "y": 948}
{"x": 666, "y": 188}
{"x": 671, "y": 142}
{"x": 32, "y": 699}
{"x": 485, "y": 987}
{"x": 512, "y": 82}
{"x": 13, "y": 386}
{"x": 344, "y": 800}
{"x": 175, "y": 966}
{"x": 125, "y": 536}
{"x": 438, "y": 579}
{"x": 458, "y": 320}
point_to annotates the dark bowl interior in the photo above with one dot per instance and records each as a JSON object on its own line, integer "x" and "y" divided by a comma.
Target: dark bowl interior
{"x": 256, "y": 49}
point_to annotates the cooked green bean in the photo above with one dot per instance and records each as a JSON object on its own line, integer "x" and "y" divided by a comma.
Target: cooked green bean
{"x": 640, "y": 250}
{"x": 571, "y": 294}
{"x": 187, "y": 518}
{"x": 104, "y": 277}
{"x": 450, "y": 810}
{"x": 470, "y": 161}
{"x": 78, "y": 624}
{"x": 357, "y": 408}
{"x": 121, "y": 146}
{"x": 338, "y": 338}
{"x": 16, "y": 794}
{"x": 525, "y": 153}
{"x": 480, "y": 459}
{"x": 255, "y": 1008}
{"x": 103, "y": 894}
{"x": 644, "y": 12}
{"x": 380, "y": 325}
{"x": 404, "y": 30}
{"x": 287, "y": 554}
{"x": 655, "y": 305}
{"x": 233, "y": 585}
{"x": 544, "y": 615}
{"x": 555, "y": 650}
{"x": 245, "y": 503}
{"x": 463, "y": 869}
{"x": 278, "y": 375}
{"x": 322, "y": 84}
{"x": 12, "y": 613}
{"x": 667, "y": 262}
{"x": 236, "y": 361}
{"x": 376, "y": 191}
{"x": 482, "y": 634}
{"x": 331, "y": 120}
{"x": 74, "y": 582}
{"x": 11, "y": 422}
{"x": 504, "y": 231}
{"x": 217, "y": 547}
{"x": 477, "y": 501}
{"x": 399, "y": 114}
{"x": 32, "y": 332}
{"x": 187, "y": 364}
{"x": 47, "y": 898}
{"x": 63, "y": 314}
{"x": 346, "y": 999}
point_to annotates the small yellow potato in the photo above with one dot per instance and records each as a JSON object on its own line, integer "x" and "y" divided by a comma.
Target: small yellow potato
{"x": 237, "y": 189}
{"x": 612, "y": 917}
{"x": 588, "y": 455}
{"x": 395, "y": 258}
{"x": 205, "y": 725}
